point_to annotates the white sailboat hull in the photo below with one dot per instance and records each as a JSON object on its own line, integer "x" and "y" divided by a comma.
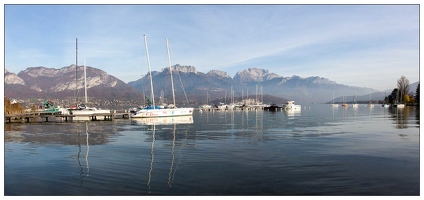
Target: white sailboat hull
{"x": 400, "y": 105}
{"x": 144, "y": 113}
{"x": 205, "y": 107}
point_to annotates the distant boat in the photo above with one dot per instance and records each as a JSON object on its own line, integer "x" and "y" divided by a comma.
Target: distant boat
{"x": 153, "y": 110}
{"x": 289, "y": 105}
{"x": 333, "y": 104}
{"x": 355, "y": 104}
{"x": 272, "y": 107}
{"x": 223, "y": 106}
{"x": 207, "y": 105}
{"x": 400, "y": 105}
{"x": 385, "y": 105}
{"x": 344, "y": 104}
{"x": 370, "y": 104}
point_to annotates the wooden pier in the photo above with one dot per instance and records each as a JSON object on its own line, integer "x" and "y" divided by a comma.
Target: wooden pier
{"x": 58, "y": 117}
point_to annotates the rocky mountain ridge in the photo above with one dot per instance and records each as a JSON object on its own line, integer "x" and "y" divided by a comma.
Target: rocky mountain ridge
{"x": 252, "y": 81}
{"x": 42, "y": 82}
{"x": 190, "y": 84}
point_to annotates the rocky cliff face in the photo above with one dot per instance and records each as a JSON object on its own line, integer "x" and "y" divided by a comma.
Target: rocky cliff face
{"x": 254, "y": 75}
{"x": 42, "y": 82}
{"x": 218, "y": 74}
{"x": 12, "y": 78}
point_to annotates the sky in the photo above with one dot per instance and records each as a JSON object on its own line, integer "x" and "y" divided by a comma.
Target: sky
{"x": 363, "y": 45}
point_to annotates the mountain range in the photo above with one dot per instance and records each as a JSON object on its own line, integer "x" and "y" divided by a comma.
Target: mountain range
{"x": 189, "y": 84}
{"x": 252, "y": 81}
{"x": 49, "y": 83}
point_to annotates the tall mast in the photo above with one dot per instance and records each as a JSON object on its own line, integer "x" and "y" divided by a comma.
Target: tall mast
{"x": 170, "y": 71}
{"x": 231, "y": 95}
{"x": 150, "y": 73}
{"x": 76, "y": 67}
{"x": 262, "y": 94}
{"x": 85, "y": 82}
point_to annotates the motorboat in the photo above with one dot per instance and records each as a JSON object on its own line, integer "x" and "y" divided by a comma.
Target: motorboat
{"x": 291, "y": 105}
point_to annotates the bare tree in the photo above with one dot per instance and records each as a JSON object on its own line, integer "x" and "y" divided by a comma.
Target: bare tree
{"x": 403, "y": 86}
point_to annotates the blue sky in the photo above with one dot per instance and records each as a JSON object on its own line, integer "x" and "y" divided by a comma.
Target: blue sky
{"x": 356, "y": 45}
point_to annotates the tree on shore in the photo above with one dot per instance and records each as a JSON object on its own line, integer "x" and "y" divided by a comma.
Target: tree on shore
{"x": 403, "y": 86}
{"x": 417, "y": 94}
{"x": 392, "y": 98}
{"x": 12, "y": 108}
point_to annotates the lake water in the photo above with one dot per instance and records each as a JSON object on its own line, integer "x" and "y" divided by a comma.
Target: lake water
{"x": 317, "y": 151}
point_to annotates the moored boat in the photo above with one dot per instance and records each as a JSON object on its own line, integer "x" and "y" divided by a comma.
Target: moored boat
{"x": 291, "y": 105}
{"x": 81, "y": 109}
{"x": 153, "y": 110}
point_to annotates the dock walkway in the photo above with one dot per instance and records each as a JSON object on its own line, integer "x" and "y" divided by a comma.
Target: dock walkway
{"x": 59, "y": 117}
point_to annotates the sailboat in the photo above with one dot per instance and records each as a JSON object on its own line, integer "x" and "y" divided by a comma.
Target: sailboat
{"x": 344, "y": 104}
{"x": 207, "y": 105}
{"x": 333, "y": 104}
{"x": 400, "y": 105}
{"x": 354, "y": 105}
{"x": 370, "y": 105}
{"x": 85, "y": 110}
{"x": 82, "y": 109}
{"x": 385, "y": 105}
{"x": 153, "y": 110}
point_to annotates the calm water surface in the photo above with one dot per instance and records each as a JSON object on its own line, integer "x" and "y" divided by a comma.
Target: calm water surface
{"x": 317, "y": 151}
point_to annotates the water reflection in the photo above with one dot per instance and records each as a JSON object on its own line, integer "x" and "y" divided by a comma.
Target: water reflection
{"x": 401, "y": 116}
{"x": 164, "y": 122}
{"x": 291, "y": 112}
{"x": 172, "y": 161}
{"x": 58, "y": 133}
{"x": 289, "y": 155}
{"x": 152, "y": 156}
{"x": 86, "y": 154}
